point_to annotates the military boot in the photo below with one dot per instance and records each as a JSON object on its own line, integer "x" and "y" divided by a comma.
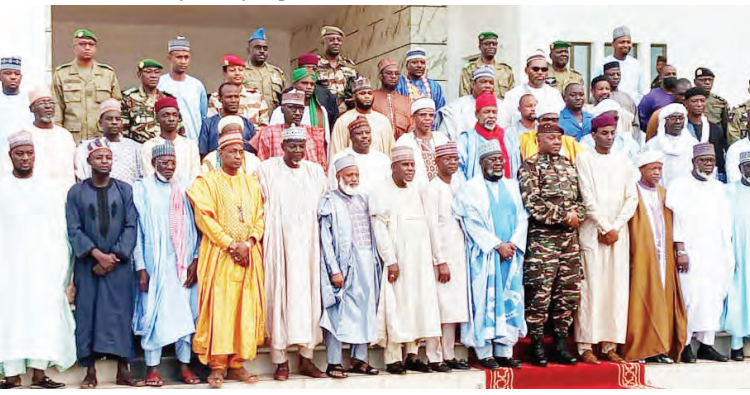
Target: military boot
{"x": 537, "y": 356}
{"x": 561, "y": 354}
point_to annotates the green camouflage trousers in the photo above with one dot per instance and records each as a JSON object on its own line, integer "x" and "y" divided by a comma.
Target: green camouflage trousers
{"x": 552, "y": 280}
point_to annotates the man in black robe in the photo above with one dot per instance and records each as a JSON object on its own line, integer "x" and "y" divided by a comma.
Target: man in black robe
{"x": 102, "y": 230}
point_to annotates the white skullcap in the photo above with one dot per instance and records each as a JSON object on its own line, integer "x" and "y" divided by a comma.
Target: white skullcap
{"x": 606, "y": 105}
{"x": 647, "y": 157}
{"x": 294, "y": 133}
{"x": 488, "y": 148}
{"x": 344, "y": 162}
{"x": 230, "y": 120}
{"x": 538, "y": 54}
{"x": 421, "y": 104}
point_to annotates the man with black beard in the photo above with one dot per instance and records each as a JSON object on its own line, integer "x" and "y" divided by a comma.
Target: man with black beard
{"x": 658, "y": 97}
{"x": 380, "y": 125}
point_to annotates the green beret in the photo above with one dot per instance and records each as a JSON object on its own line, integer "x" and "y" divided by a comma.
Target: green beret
{"x": 149, "y": 63}
{"x": 85, "y": 33}
{"x": 559, "y": 44}
{"x": 485, "y": 35}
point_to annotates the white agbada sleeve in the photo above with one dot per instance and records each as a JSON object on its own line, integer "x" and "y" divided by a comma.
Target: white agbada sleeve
{"x": 431, "y": 203}
{"x": 671, "y": 200}
{"x": 380, "y": 221}
{"x": 630, "y": 203}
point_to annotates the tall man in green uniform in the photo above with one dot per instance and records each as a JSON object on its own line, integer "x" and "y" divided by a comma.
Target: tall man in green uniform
{"x": 335, "y": 71}
{"x": 138, "y": 116}
{"x": 503, "y": 73}
{"x": 717, "y": 108}
{"x": 259, "y": 73}
{"x": 559, "y": 75}
{"x": 80, "y": 85}
{"x": 738, "y": 119}
{"x": 552, "y": 269}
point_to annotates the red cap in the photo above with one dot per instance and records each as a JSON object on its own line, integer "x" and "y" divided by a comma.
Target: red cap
{"x": 165, "y": 102}
{"x": 603, "y": 120}
{"x": 232, "y": 60}
{"x": 307, "y": 59}
{"x": 486, "y": 100}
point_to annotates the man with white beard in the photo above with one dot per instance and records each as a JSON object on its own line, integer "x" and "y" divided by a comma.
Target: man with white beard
{"x": 703, "y": 245}
{"x": 350, "y": 272}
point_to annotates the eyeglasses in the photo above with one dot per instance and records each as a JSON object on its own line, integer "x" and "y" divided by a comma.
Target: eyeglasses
{"x": 538, "y": 69}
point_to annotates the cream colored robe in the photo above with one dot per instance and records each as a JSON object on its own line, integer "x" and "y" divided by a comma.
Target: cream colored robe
{"x": 608, "y": 187}
{"x": 292, "y": 251}
{"x": 408, "y": 308}
{"x": 380, "y": 128}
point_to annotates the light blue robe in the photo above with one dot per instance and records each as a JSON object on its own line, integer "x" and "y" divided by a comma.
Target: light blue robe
{"x": 736, "y": 318}
{"x": 192, "y": 100}
{"x": 496, "y": 297}
{"x": 436, "y": 92}
{"x": 350, "y": 312}
{"x": 469, "y": 142}
{"x": 167, "y": 312}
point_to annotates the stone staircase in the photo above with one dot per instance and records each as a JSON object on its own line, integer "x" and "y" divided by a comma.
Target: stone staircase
{"x": 704, "y": 374}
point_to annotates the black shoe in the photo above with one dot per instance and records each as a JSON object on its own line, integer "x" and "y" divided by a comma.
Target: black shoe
{"x": 661, "y": 359}
{"x": 537, "y": 356}
{"x": 687, "y": 355}
{"x": 489, "y": 363}
{"x": 457, "y": 364}
{"x": 440, "y": 367}
{"x": 505, "y": 362}
{"x": 560, "y": 354}
{"x": 710, "y": 353}
{"x": 738, "y": 355}
{"x": 395, "y": 368}
{"x": 47, "y": 384}
{"x": 416, "y": 364}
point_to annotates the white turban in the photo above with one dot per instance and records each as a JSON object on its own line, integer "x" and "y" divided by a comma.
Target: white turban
{"x": 674, "y": 108}
{"x": 606, "y": 105}
{"x": 230, "y": 120}
{"x": 647, "y": 157}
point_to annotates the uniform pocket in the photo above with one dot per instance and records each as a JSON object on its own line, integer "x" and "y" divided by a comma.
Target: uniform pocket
{"x": 103, "y": 92}
{"x": 72, "y": 93}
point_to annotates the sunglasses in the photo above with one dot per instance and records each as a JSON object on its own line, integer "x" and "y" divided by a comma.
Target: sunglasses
{"x": 538, "y": 69}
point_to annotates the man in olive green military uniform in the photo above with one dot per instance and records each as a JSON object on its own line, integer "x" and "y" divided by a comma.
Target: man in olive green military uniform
{"x": 138, "y": 116}
{"x": 503, "y": 73}
{"x": 559, "y": 75}
{"x": 259, "y": 73}
{"x": 738, "y": 119}
{"x": 717, "y": 108}
{"x": 80, "y": 85}
{"x": 335, "y": 71}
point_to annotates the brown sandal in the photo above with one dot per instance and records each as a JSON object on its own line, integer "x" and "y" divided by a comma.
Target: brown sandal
{"x": 216, "y": 378}
{"x": 188, "y": 377}
{"x": 282, "y": 372}
{"x": 241, "y": 374}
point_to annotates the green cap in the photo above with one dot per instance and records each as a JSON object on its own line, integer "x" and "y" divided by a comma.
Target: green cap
{"x": 149, "y": 63}
{"x": 559, "y": 44}
{"x": 485, "y": 35}
{"x": 85, "y": 33}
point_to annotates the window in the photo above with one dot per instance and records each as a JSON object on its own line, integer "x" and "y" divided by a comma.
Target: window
{"x": 656, "y": 51}
{"x": 580, "y": 61}
{"x": 608, "y": 50}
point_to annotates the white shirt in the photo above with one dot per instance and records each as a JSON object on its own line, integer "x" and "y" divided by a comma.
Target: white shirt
{"x": 546, "y": 96}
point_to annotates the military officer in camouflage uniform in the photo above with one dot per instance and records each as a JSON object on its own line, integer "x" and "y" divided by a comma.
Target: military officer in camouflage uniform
{"x": 335, "y": 71}
{"x": 738, "y": 118}
{"x": 552, "y": 268}
{"x": 503, "y": 73}
{"x": 80, "y": 85}
{"x": 259, "y": 73}
{"x": 138, "y": 117}
{"x": 717, "y": 108}
{"x": 559, "y": 75}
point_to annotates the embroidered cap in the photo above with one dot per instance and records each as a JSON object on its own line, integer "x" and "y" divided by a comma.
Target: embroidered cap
{"x": 344, "y": 162}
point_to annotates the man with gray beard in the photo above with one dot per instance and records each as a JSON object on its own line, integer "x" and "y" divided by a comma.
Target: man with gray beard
{"x": 350, "y": 272}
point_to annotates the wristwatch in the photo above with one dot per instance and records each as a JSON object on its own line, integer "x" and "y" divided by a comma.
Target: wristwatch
{"x": 680, "y": 253}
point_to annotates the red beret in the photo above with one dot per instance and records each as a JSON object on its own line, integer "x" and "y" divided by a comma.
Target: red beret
{"x": 486, "y": 100}
{"x": 164, "y": 103}
{"x": 307, "y": 59}
{"x": 232, "y": 60}
{"x": 603, "y": 120}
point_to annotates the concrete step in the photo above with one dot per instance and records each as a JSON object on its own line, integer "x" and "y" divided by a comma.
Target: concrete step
{"x": 703, "y": 374}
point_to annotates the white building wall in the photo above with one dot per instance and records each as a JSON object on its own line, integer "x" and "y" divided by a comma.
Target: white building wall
{"x": 695, "y": 36}
{"x": 28, "y": 35}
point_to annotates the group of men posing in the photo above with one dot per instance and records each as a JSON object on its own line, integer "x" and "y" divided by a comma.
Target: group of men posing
{"x": 400, "y": 220}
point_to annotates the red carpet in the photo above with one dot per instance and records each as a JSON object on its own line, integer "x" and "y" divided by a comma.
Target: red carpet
{"x": 604, "y": 376}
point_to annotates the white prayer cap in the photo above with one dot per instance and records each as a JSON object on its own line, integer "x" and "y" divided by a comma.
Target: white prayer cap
{"x": 620, "y": 31}
{"x": 606, "y": 105}
{"x": 744, "y": 157}
{"x": 421, "y": 104}
{"x": 488, "y": 148}
{"x": 647, "y": 157}
{"x": 482, "y": 72}
{"x": 401, "y": 153}
{"x": 538, "y": 54}
{"x": 19, "y": 138}
{"x": 230, "y": 120}
{"x": 547, "y": 108}
{"x": 344, "y": 162}
{"x": 294, "y": 133}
